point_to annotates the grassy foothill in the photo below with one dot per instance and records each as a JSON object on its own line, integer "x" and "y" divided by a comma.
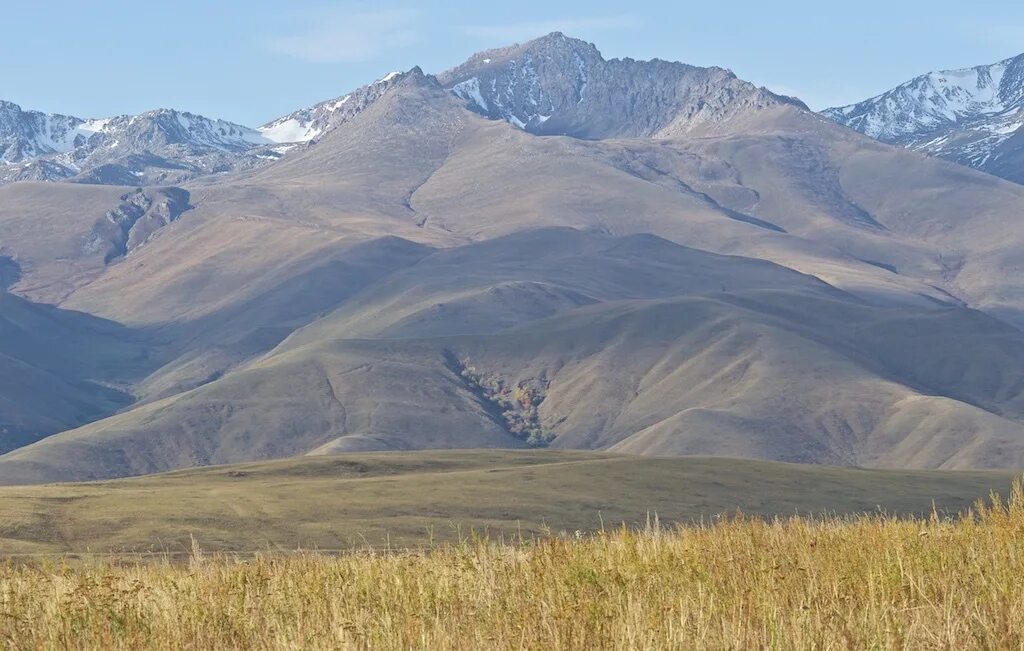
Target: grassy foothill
{"x": 417, "y": 499}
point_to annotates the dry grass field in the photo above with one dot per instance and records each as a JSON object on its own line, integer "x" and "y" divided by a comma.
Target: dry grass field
{"x": 523, "y": 550}
{"x": 842, "y": 583}
{"x": 415, "y": 499}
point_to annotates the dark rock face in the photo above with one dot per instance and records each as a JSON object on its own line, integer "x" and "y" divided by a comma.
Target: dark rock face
{"x": 560, "y": 85}
{"x": 973, "y": 116}
{"x": 139, "y": 216}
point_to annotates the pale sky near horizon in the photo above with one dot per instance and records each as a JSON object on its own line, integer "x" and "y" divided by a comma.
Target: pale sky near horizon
{"x": 253, "y": 61}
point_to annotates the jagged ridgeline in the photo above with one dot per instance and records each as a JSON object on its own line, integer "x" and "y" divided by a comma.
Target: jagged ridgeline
{"x": 553, "y": 85}
{"x": 159, "y": 147}
{"x": 563, "y": 86}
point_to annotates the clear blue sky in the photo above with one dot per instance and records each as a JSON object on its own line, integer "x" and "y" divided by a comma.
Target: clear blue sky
{"x": 250, "y": 61}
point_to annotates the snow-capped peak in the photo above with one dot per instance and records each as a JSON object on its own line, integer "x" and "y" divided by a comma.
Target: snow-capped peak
{"x": 162, "y": 145}
{"x": 937, "y": 98}
{"x": 28, "y": 134}
{"x": 968, "y": 115}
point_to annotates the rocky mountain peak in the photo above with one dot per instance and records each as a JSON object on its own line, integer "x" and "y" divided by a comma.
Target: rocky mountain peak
{"x": 560, "y": 85}
{"x": 27, "y": 134}
{"x": 937, "y": 100}
{"x": 171, "y": 127}
{"x": 550, "y": 85}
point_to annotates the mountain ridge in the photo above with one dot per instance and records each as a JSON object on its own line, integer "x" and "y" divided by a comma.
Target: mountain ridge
{"x": 168, "y": 146}
{"x": 557, "y": 85}
{"x": 161, "y": 146}
{"x": 973, "y": 116}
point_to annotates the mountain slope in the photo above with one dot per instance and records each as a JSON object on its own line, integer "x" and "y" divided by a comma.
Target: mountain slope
{"x": 60, "y": 369}
{"x": 973, "y": 116}
{"x": 748, "y": 278}
{"x": 418, "y": 165}
{"x": 308, "y": 124}
{"x": 665, "y": 351}
{"x": 55, "y": 238}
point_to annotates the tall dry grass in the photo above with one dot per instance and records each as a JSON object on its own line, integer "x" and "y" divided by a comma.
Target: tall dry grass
{"x": 869, "y": 582}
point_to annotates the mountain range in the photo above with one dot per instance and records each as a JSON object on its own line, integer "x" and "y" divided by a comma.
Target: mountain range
{"x": 163, "y": 146}
{"x": 538, "y": 247}
{"x": 973, "y": 116}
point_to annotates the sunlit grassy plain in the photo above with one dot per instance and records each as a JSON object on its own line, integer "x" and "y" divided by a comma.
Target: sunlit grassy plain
{"x": 870, "y": 581}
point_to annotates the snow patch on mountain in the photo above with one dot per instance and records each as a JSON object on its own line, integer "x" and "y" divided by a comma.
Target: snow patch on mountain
{"x": 309, "y": 124}
{"x": 291, "y": 129}
{"x": 469, "y": 90}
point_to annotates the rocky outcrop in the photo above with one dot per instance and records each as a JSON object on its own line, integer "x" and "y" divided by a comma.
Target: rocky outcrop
{"x": 140, "y": 214}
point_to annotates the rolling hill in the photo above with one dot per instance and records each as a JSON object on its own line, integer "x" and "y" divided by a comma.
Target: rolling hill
{"x": 61, "y": 369}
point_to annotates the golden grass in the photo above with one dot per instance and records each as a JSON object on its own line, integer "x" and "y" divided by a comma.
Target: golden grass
{"x": 867, "y": 582}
